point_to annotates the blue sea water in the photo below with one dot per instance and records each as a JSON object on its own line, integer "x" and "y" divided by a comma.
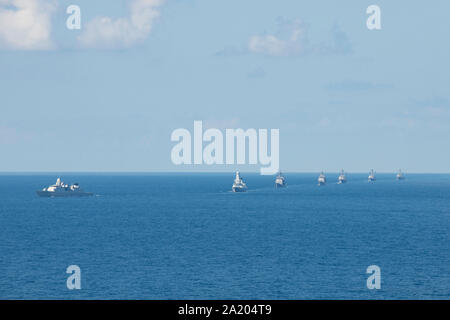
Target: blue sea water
{"x": 185, "y": 236}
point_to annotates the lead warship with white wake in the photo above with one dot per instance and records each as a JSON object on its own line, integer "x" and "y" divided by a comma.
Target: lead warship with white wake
{"x": 239, "y": 185}
{"x": 60, "y": 189}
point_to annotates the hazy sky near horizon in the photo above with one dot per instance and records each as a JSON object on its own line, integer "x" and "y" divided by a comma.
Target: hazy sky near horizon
{"x": 107, "y": 97}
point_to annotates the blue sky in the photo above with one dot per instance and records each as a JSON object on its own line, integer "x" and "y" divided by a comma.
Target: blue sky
{"x": 342, "y": 96}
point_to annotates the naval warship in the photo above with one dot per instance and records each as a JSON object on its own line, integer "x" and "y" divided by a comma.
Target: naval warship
{"x": 400, "y": 175}
{"x": 322, "y": 180}
{"x": 371, "y": 176}
{"x": 342, "y": 178}
{"x": 60, "y": 189}
{"x": 280, "y": 181}
{"x": 238, "y": 185}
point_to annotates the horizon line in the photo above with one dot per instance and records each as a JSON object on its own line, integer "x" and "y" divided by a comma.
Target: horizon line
{"x": 206, "y": 172}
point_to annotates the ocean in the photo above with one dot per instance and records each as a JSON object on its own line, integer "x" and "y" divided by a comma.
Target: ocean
{"x": 186, "y": 236}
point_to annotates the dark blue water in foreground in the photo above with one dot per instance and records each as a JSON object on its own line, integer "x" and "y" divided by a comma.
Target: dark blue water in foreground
{"x": 187, "y": 237}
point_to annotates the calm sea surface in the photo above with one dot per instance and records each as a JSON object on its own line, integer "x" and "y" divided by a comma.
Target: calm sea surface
{"x": 185, "y": 236}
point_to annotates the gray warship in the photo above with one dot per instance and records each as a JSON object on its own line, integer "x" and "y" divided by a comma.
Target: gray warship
{"x": 342, "y": 178}
{"x": 280, "y": 181}
{"x": 400, "y": 175}
{"x": 322, "y": 180}
{"x": 372, "y": 176}
{"x": 60, "y": 189}
{"x": 238, "y": 185}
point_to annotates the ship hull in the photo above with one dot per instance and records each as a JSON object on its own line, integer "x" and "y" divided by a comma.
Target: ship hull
{"x": 47, "y": 194}
{"x": 236, "y": 189}
{"x": 280, "y": 185}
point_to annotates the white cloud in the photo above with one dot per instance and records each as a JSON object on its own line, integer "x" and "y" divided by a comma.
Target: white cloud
{"x": 291, "y": 39}
{"x": 106, "y": 32}
{"x": 274, "y": 45}
{"x": 26, "y": 24}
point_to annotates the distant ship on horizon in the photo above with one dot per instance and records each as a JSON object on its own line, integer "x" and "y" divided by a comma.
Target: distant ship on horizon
{"x": 280, "y": 181}
{"x": 239, "y": 185}
{"x": 371, "y": 176}
{"x": 322, "y": 180}
{"x": 60, "y": 189}
{"x": 400, "y": 175}
{"x": 342, "y": 178}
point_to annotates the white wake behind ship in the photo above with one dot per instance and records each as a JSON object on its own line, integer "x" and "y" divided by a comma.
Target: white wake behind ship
{"x": 60, "y": 189}
{"x": 322, "y": 180}
{"x": 371, "y": 177}
{"x": 238, "y": 185}
{"x": 280, "y": 181}
{"x": 400, "y": 175}
{"x": 342, "y": 178}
